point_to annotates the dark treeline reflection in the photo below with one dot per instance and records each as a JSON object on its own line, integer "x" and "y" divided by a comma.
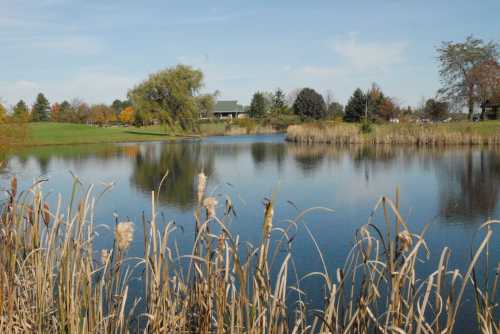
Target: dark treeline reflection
{"x": 470, "y": 183}
{"x": 183, "y": 163}
{"x": 468, "y": 179}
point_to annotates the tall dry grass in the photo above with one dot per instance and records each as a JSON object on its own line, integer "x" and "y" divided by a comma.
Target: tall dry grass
{"x": 53, "y": 279}
{"x": 415, "y": 134}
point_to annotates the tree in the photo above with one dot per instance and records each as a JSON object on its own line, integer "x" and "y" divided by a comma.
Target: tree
{"x": 486, "y": 75}
{"x": 309, "y": 104}
{"x": 21, "y": 111}
{"x": 457, "y": 61}
{"x": 127, "y": 116}
{"x": 41, "y": 109}
{"x": 205, "y": 104}
{"x": 388, "y": 109}
{"x": 101, "y": 114}
{"x": 257, "y": 105}
{"x": 278, "y": 103}
{"x": 335, "y": 109}
{"x": 118, "y": 105}
{"x": 55, "y": 112}
{"x": 375, "y": 100}
{"x": 436, "y": 110}
{"x": 3, "y": 114}
{"x": 355, "y": 108}
{"x": 169, "y": 96}
{"x": 81, "y": 111}
{"x": 66, "y": 112}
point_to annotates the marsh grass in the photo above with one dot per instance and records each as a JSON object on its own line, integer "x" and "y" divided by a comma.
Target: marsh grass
{"x": 53, "y": 279}
{"x": 460, "y": 133}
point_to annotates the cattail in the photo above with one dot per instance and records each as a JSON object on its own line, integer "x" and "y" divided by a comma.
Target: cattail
{"x": 405, "y": 240}
{"x": 105, "y": 254}
{"x": 124, "y": 235}
{"x": 13, "y": 187}
{"x": 202, "y": 182}
{"x": 268, "y": 217}
{"x": 46, "y": 216}
{"x": 209, "y": 204}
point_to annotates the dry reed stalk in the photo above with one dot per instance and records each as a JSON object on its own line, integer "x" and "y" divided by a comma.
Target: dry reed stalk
{"x": 51, "y": 282}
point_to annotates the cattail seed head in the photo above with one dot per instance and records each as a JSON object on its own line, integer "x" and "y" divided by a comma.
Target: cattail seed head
{"x": 105, "y": 255}
{"x": 209, "y": 204}
{"x": 202, "y": 182}
{"x": 268, "y": 217}
{"x": 124, "y": 235}
{"x": 405, "y": 240}
{"x": 13, "y": 187}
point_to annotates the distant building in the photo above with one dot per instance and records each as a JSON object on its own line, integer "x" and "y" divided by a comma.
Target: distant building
{"x": 229, "y": 109}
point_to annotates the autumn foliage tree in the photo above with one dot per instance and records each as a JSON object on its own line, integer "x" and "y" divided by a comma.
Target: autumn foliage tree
{"x": 55, "y": 112}
{"x": 458, "y": 63}
{"x": 127, "y": 115}
{"x": 101, "y": 114}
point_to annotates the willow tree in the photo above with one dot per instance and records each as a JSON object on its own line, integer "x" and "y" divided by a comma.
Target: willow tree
{"x": 169, "y": 96}
{"x": 457, "y": 64}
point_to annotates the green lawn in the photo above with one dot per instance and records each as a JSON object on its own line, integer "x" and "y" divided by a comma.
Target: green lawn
{"x": 48, "y": 133}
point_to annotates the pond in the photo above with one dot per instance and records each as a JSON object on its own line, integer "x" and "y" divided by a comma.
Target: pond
{"x": 452, "y": 190}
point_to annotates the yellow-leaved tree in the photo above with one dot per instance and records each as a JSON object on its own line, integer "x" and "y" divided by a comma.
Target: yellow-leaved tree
{"x": 127, "y": 116}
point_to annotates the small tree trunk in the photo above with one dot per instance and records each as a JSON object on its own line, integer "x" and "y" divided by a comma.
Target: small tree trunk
{"x": 471, "y": 108}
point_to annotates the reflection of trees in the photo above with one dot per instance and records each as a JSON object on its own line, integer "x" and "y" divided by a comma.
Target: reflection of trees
{"x": 183, "y": 163}
{"x": 263, "y": 152}
{"x": 469, "y": 183}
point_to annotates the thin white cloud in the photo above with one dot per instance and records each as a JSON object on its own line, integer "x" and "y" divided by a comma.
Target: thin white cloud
{"x": 90, "y": 86}
{"x": 363, "y": 56}
{"x": 78, "y": 45}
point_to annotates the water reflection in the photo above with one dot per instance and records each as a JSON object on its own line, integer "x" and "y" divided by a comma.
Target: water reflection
{"x": 469, "y": 183}
{"x": 183, "y": 163}
{"x": 467, "y": 180}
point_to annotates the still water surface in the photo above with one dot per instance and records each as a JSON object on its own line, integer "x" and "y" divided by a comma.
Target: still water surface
{"x": 452, "y": 190}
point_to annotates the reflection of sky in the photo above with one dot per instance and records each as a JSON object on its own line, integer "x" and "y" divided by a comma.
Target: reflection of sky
{"x": 342, "y": 179}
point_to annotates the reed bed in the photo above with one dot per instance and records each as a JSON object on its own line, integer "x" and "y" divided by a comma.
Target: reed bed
{"x": 53, "y": 279}
{"x": 414, "y": 134}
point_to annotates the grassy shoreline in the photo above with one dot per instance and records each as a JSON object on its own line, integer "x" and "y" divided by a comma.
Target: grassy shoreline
{"x": 456, "y": 133}
{"x": 53, "y": 134}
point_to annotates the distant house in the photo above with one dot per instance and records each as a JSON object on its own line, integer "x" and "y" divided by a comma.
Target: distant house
{"x": 491, "y": 108}
{"x": 229, "y": 109}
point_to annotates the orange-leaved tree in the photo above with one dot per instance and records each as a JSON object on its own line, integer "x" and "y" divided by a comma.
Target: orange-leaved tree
{"x": 127, "y": 116}
{"x": 55, "y": 112}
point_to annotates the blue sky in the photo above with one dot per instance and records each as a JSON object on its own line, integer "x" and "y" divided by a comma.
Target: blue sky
{"x": 97, "y": 50}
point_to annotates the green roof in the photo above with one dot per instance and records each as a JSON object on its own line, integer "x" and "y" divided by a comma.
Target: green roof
{"x": 228, "y": 106}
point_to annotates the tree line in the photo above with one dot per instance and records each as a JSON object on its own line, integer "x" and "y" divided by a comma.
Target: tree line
{"x": 469, "y": 71}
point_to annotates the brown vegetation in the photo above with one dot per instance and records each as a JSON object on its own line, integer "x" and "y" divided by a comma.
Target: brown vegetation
{"x": 52, "y": 279}
{"x": 416, "y": 134}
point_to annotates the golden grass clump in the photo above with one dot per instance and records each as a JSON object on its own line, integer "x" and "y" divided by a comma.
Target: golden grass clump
{"x": 124, "y": 235}
{"x": 440, "y": 134}
{"x": 53, "y": 280}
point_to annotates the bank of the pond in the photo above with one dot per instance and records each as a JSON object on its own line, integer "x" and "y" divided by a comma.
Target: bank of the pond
{"x": 456, "y": 133}
{"x": 49, "y": 133}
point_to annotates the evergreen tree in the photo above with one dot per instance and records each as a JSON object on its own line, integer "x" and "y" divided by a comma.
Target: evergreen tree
{"x": 309, "y": 104}
{"x": 257, "y": 106}
{"x": 41, "y": 109}
{"x": 278, "y": 106}
{"x": 355, "y": 108}
{"x": 21, "y": 111}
